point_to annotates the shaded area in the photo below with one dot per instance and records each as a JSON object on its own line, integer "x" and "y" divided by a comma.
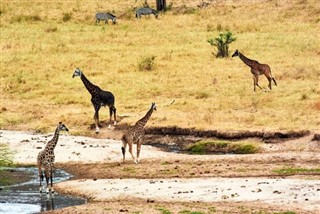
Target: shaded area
{"x": 25, "y": 198}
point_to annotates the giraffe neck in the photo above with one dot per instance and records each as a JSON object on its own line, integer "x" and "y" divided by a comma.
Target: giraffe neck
{"x": 143, "y": 121}
{"x": 90, "y": 87}
{"x": 246, "y": 60}
{"x": 53, "y": 142}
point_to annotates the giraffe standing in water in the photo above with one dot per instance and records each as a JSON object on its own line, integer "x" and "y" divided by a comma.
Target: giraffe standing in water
{"x": 257, "y": 69}
{"x": 135, "y": 134}
{"x": 45, "y": 159}
{"x": 98, "y": 98}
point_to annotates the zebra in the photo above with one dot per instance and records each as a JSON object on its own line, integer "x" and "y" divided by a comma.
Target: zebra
{"x": 105, "y": 17}
{"x": 145, "y": 11}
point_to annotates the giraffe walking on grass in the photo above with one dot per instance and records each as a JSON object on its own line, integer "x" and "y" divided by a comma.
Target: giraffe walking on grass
{"x": 45, "y": 159}
{"x": 99, "y": 98}
{"x": 135, "y": 134}
{"x": 257, "y": 69}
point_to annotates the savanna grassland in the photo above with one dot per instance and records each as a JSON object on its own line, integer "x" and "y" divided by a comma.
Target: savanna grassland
{"x": 42, "y": 42}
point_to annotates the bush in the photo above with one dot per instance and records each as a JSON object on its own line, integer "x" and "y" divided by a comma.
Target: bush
{"x": 146, "y": 64}
{"x": 222, "y": 43}
{"x": 66, "y": 17}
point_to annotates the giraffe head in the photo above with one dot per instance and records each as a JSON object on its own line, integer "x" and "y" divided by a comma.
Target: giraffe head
{"x": 62, "y": 127}
{"x": 153, "y": 106}
{"x": 77, "y": 72}
{"x": 236, "y": 53}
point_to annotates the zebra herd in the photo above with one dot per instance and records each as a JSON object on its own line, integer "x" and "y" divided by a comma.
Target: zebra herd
{"x": 139, "y": 12}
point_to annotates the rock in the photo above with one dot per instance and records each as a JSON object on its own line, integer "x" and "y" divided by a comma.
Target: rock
{"x": 150, "y": 201}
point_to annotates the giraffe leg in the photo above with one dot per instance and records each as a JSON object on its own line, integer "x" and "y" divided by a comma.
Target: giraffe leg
{"x": 51, "y": 183}
{"x": 123, "y": 148}
{"x": 138, "y": 151}
{"x": 130, "y": 150}
{"x": 46, "y": 173}
{"x": 114, "y": 114}
{"x": 256, "y": 78}
{"x": 254, "y": 84}
{"x": 269, "y": 80}
{"x": 110, "y": 112}
{"x": 40, "y": 177}
{"x": 97, "y": 107}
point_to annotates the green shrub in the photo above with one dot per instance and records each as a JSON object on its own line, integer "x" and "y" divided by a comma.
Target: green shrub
{"x": 222, "y": 43}
{"x": 146, "y": 63}
{"x": 66, "y": 17}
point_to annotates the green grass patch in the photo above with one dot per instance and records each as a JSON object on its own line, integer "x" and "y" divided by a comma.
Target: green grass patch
{"x": 164, "y": 211}
{"x": 224, "y": 147}
{"x": 6, "y": 156}
{"x": 294, "y": 171}
{"x": 129, "y": 170}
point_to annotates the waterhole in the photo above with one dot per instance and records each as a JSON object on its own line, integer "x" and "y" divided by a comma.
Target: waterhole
{"x": 25, "y": 197}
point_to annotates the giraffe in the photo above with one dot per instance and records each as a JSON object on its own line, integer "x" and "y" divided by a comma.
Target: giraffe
{"x": 257, "y": 69}
{"x": 98, "y": 98}
{"x": 46, "y": 158}
{"x": 135, "y": 134}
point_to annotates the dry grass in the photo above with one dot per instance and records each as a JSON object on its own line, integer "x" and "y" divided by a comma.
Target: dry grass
{"x": 40, "y": 48}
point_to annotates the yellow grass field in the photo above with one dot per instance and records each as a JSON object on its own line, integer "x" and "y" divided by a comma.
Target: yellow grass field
{"x": 42, "y": 42}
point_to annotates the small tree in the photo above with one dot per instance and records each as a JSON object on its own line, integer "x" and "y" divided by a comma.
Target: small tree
{"x": 222, "y": 43}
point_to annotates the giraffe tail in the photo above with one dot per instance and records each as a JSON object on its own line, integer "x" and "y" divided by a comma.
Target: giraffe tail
{"x": 274, "y": 81}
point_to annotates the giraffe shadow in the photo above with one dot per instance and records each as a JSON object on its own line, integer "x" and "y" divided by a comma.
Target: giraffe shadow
{"x": 106, "y": 123}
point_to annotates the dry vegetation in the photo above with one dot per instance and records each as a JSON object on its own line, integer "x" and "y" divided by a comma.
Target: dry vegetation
{"x": 43, "y": 42}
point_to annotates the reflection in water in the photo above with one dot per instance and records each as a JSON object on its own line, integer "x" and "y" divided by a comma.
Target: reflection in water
{"x": 25, "y": 197}
{"x": 47, "y": 202}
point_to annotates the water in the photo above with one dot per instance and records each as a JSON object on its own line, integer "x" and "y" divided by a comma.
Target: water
{"x": 25, "y": 197}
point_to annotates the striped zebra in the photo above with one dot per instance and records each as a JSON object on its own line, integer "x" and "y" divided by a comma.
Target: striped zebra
{"x": 105, "y": 17}
{"x": 145, "y": 11}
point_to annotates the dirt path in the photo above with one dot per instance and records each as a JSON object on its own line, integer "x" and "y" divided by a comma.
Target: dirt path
{"x": 170, "y": 179}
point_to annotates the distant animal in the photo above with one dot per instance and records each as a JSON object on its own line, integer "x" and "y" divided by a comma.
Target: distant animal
{"x": 99, "y": 98}
{"x": 135, "y": 135}
{"x": 257, "y": 69}
{"x": 45, "y": 159}
{"x": 105, "y": 17}
{"x": 145, "y": 11}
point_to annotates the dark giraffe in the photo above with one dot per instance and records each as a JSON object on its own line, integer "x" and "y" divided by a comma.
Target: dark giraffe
{"x": 99, "y": 98}
{"x": 135, "y": 134}
{"x": 45, "y": 159}
{"x": 257, "y": 69}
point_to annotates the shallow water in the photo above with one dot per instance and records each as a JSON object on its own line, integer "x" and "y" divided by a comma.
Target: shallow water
{"x": 25, "y": 197}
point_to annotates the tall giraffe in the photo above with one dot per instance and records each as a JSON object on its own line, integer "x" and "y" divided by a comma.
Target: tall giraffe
{"x": 257, "y": 69}
{"x": 46, "y": 158}
{"x": 135, "y": 134}
{"x": 99, "y": 98}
